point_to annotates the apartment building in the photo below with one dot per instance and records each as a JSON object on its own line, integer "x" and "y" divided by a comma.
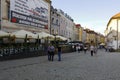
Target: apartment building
{"x": 31, "y": 15}
{"x": 55, "y": 22}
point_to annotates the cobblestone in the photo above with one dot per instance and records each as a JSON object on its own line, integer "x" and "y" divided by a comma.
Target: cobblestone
{"x": 74, "y": 66}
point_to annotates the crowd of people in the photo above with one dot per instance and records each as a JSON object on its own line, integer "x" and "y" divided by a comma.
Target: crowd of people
{"x": 77, "y": 48}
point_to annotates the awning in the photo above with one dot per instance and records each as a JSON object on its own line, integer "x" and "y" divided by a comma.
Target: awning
{"x": 44, "y": 35}
{"x": 102, "y": 44}
{"x": 3, "y": 34}
{"x": 61, "y": 37}
{"x": 23, "y": 34}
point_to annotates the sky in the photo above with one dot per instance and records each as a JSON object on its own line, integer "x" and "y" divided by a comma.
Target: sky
{"x": 92, "y": 14}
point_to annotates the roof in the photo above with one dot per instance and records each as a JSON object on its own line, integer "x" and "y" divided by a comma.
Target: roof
{"x": 77, "y": 25}
{"x": 117, "y": 16}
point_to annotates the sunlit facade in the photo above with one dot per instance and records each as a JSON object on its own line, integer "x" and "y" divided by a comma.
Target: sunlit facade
{"x": 113, "y": 32}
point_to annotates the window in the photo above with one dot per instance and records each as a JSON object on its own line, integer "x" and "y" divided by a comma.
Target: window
{"x": 57, "y": 21}
{"x": 52, "y": 31}
{"x": 52, "y": 20}
{"x": 53, "y": 12}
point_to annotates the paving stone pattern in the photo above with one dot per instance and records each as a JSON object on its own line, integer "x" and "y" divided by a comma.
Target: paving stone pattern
{"x": 74, "y": 66}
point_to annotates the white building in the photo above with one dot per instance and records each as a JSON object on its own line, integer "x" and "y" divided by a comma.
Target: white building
{"x": 112, "y": 32}
{"x": 55, "y": 21}
{"x": 66, "y": 25}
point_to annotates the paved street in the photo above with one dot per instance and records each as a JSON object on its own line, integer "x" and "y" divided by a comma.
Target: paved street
{"x": 74, "y": 66}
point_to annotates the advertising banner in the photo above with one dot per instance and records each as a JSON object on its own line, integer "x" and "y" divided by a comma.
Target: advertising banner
{"x": 0, "y": 14}
{"x": 29, "y": 12}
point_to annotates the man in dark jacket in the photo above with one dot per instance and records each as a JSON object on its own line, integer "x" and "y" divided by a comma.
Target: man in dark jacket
{"x": 59, "y": 53}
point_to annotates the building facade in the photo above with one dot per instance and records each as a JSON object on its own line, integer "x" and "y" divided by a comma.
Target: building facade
{"x": 28, "y": 15}
{"x": 55, "y": 22}
{"x": 112, "y": 32}
{"x": 66, "y": 25}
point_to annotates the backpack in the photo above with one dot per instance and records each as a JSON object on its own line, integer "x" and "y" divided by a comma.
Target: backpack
{"x": 52, "y": 49}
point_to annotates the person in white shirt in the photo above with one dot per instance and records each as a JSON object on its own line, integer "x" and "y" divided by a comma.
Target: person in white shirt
{"x": 91, "y": 49}
{"x": 85, "y": 49}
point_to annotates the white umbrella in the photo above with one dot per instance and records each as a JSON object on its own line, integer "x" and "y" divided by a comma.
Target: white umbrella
{"x": 45, "y": 35}
{"x": 102, "y": 44}
{"x": 61, "y": 37}
{"x": 23, "y": 33}
{"x": 3, "y": 34}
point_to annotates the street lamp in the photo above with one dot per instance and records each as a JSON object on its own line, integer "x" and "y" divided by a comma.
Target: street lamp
{"x": 55, "y": 39}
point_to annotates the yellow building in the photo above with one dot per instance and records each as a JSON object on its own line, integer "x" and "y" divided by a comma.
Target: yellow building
{"x": 80, "y": 33}
{"x": 90, "y": 37}
{"x": 102, "y": 39}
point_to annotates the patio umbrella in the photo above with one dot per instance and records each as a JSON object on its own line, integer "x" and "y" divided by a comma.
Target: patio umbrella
{"x": 45, "y": 35}
{"x": 22, "y": 34}
{"x": 102, "y": 44}
{"x": 61, "y": 37}
{"x": 3, "y": 34}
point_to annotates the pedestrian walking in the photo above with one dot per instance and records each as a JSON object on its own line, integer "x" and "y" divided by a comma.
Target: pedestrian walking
{"x": 73, "y": 48}
{"x": 59, "y": 53}
{"x": 106, "y": 48}
{"x": 79, "y": 48}
{"x": 91, "y": 49}
{"x": 48, "y": 53}
{"x": 85, "y": 49}
{"x": 95, "y": 50}
{"x": 52, "y": 52}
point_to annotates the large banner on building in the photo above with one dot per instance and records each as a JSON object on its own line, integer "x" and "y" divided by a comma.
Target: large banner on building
{"x": 29, "y": 12}
{"x": 0, "y": 15}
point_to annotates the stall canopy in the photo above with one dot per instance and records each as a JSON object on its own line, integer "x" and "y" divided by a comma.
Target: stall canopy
{"x": 44, "y": 35}
{"x": 3, "y": 34}
{"x": 24, "y": 34}
{"x": 102, "y": 44}
{"x": 61, "y": 37}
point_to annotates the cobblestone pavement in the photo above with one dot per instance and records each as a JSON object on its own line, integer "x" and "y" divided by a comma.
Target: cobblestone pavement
{"x": 74, "y": 66}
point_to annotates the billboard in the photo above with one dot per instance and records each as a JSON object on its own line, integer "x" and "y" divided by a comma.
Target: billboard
{"x": 0, "y": 15}
{"x": 29, "y": 12}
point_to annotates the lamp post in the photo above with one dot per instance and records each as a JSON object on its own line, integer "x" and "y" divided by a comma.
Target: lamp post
{"x": 55, "y": 39}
